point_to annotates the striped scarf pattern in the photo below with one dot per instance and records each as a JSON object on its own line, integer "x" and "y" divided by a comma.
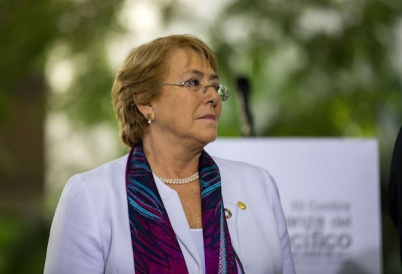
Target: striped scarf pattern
{"x": 155, "y": 246}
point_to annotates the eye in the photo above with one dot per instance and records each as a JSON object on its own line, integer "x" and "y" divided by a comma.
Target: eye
{"x": 193, "y": 83}
{"x": 216, "y": 87}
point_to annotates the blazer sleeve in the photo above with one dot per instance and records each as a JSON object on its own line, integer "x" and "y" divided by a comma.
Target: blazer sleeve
{"x": 74, "y": 244}
{"x": 288, "y": 264}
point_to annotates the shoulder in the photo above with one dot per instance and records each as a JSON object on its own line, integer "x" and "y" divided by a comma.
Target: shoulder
{"x": 245, "y": 177}
{"x": 100, "y": 192}
{"x": 107, "y": 169}
{"x": 103, "y": 174}
{"x": 226, "y": 163}
{"x": 107, "y": 180}
{"x": 242, "y": 169}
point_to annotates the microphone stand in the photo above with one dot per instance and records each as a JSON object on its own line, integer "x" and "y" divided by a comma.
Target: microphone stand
{"x": 247, "y": 122}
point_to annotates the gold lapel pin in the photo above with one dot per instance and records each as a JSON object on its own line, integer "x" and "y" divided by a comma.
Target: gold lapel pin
{"x": 242, "y": 205}
{"x": 228, "y": 213}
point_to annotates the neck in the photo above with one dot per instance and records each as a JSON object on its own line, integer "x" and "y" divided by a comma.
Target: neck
{"x": 171, "y": 160}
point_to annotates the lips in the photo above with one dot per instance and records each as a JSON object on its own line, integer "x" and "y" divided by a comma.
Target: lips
{"x": 208, "y": 116}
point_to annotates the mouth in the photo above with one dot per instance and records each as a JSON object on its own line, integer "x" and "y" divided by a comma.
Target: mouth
{"x": 208, "y": 117}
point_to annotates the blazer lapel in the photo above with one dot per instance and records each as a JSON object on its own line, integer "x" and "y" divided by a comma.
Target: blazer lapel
{"x": 233, "y": 220}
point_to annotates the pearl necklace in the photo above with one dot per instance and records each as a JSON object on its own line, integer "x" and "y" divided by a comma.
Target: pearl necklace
{"x": 180, "y": 181}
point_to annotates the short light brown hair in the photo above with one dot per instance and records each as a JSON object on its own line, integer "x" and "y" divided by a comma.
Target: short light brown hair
{"x": 143, "y": 70}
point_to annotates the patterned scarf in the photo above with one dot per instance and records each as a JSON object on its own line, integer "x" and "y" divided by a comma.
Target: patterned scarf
{"x": 155, "y": 246}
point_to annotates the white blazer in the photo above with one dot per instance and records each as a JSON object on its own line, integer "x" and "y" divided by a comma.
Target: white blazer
{"x": 90, "y": 232}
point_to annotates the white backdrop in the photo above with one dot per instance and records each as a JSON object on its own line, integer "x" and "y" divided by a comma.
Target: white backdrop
{"x": 330, "y": 194}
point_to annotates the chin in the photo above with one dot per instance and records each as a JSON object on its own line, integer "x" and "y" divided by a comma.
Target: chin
{"x": 208, "y": 139}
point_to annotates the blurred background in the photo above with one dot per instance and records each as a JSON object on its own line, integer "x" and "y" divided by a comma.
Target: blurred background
{"x": 316, "y": 69}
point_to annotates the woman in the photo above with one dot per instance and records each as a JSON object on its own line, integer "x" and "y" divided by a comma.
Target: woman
{"x": 167, "y": 206}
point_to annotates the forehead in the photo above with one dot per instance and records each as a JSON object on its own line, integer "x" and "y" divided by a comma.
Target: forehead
{"x": 183, "y": 59}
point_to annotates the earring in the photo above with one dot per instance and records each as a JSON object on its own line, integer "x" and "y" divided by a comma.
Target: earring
{"x": 149, "y": 118}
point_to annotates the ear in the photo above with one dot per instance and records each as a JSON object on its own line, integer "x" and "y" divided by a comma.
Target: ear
{"x": 146, "y": 110}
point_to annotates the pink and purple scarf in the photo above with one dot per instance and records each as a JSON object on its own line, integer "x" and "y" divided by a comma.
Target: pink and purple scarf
{"x": 155, "y": 246}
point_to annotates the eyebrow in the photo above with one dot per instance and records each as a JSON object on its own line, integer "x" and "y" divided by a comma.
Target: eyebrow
{"x": 201, "y": 74}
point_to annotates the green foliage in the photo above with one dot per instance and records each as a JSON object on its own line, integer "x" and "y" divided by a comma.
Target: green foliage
{"x": 325, "y": 68}
{"x": 85, "y": 27}
{"x": 22, "y": 250}
{"x": 29, "y": 31}
{"x": 26, "y": 28}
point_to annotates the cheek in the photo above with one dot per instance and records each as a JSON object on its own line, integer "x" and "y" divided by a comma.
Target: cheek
{"x": 174, "y": 107}
{"x": 218, "y": 110}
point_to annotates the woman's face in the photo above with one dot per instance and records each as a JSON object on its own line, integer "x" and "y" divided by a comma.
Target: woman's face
{"x": 186, "y": 116}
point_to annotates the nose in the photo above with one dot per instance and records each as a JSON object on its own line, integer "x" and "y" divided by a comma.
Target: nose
{"x": 206, "y": 88}
{"x": 215, "y": 96}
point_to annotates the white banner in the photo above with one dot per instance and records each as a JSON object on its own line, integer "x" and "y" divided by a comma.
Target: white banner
{"x": 330, "y": 194}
